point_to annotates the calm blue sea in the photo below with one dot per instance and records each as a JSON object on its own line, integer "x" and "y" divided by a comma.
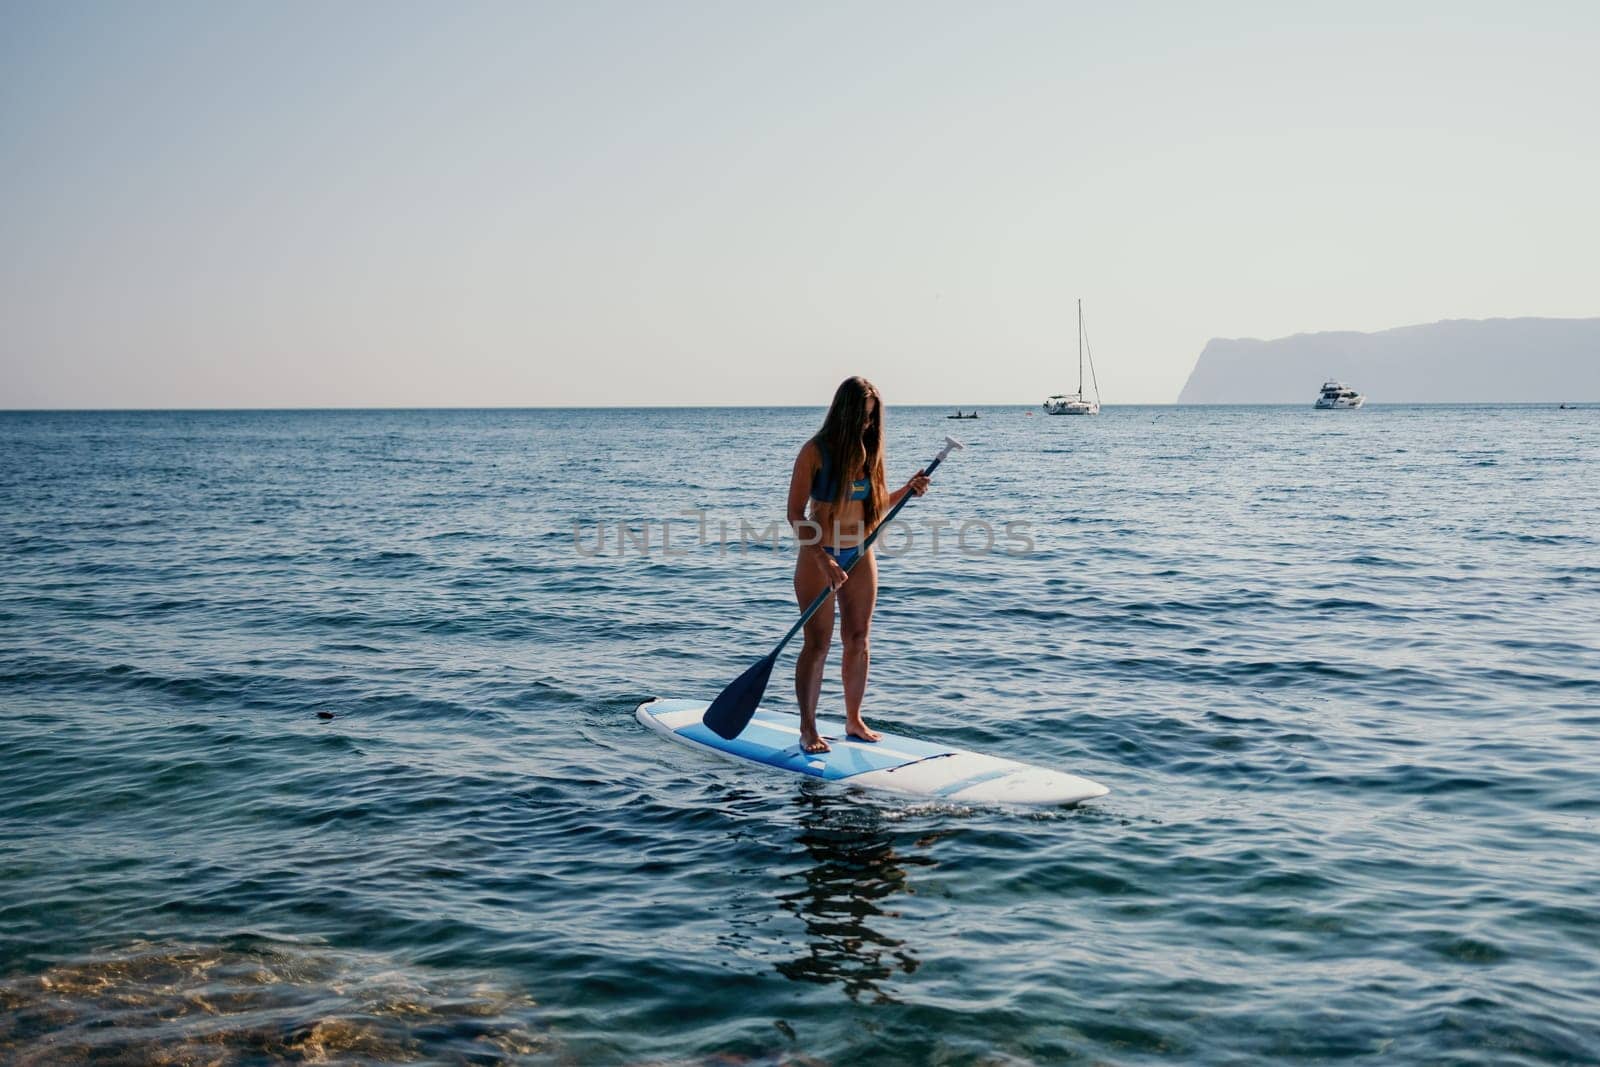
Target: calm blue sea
{"x": 1340, "y": 669}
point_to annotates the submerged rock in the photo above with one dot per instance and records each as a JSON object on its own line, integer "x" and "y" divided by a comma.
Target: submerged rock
{"x": 254, "y": 999}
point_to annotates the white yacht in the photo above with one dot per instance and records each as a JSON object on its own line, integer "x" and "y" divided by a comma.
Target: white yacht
{"x": 1335, "y": 395}
{"x": 1077, "y": 403}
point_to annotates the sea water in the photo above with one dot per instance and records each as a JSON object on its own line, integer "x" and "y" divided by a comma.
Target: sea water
{"x": 1341, "y": 671}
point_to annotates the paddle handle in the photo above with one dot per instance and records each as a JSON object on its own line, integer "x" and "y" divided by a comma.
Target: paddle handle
{"x": 950, "y": 444}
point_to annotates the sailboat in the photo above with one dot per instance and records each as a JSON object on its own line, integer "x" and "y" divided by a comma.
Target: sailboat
{"x": 1077, "y": 403}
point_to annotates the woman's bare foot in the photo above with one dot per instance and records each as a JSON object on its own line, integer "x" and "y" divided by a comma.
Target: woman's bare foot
{"x": 812, "y": 743}
{"x": 861, "y": 731}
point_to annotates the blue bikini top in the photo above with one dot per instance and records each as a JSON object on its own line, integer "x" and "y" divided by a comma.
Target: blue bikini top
{"x": 825, "y": 486}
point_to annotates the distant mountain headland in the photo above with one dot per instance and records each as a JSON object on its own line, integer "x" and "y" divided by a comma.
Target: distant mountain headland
{"x": 1455, "y": 361}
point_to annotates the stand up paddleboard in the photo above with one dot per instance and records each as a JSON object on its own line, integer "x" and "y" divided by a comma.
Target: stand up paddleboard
{"x": 899, "y": 764}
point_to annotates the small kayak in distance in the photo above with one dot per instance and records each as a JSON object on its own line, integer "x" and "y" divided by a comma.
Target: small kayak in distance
{"x": 896, "y": 763}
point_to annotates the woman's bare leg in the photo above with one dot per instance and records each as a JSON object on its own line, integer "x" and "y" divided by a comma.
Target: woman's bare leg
{"x": 857, "y": 598}
{"x": 809, "y": 580}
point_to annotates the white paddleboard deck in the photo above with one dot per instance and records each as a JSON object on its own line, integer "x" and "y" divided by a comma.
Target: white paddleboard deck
{"x": 896, "y": 763}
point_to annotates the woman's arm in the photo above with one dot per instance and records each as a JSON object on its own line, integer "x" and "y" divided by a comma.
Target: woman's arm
{"x": 807, "y": 532}
{"x": 918, "y": 485}
{"x": 805, "y": 471}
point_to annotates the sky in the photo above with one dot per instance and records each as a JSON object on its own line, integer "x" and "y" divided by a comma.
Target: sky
{"x": 296, "y": 204}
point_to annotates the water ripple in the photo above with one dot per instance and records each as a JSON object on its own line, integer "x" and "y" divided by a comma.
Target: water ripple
{"x": 1335, "y": 669}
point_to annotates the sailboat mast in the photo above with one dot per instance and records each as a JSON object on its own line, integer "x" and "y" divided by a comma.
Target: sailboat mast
{"x": 1080, "y": 348}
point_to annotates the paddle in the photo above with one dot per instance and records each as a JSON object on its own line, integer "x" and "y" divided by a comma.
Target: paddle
{"x": 730, "y": 713}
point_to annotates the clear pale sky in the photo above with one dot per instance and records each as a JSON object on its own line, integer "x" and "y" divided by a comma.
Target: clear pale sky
{"x": 296, "y": 204}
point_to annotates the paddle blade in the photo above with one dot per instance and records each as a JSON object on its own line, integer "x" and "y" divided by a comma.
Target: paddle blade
{"x": 730, "y": 713}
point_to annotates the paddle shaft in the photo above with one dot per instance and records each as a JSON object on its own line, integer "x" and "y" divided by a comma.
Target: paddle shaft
{"x": 822, "y": 597}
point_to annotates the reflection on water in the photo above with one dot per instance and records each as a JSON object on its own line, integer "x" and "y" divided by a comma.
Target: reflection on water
{"x": 252, "y": 1000}
{"x": 846, "y": 895}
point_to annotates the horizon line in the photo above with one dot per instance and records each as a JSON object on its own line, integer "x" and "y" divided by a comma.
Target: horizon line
{"x": 734, "y": 407}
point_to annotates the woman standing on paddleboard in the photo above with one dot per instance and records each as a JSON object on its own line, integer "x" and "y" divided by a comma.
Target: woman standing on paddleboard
{"x": 839, "y": 473}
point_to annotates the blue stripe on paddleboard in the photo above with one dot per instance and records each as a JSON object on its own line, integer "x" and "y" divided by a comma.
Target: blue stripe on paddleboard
{"x": 757, "y": 744}
{"x": 771, "y": 739}
{"x": 834, "y": 730}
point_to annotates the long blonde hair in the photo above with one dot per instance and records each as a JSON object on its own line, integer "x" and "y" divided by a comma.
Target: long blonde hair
{"x": 852, "y": 442}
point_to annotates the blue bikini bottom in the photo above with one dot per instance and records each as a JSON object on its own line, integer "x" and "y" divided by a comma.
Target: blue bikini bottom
{"x": 843, "y": 556}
